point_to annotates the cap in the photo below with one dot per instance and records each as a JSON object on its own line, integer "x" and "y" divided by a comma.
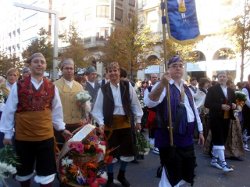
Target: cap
{"x": 34, "y": 56}
{"x": 67, "y": 61}
{"x": 90, "y": 69}
{"x": 25, "y": 70}
{"x": 174, "y": 59}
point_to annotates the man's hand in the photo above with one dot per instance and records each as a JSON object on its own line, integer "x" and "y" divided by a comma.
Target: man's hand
{"x": 66, "y": 134}
{"x": 137, "y": 126}
{"x": 165, "y": 78}
{"x": 101, "y": 129}
{"x": 234, "y": 106}
{"x": 7, "y": 141}
{"x": 201, "y": 139}
{"x": 225, "y": 107}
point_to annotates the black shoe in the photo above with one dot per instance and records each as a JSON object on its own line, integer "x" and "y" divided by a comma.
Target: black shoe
{"x": 111, "y": 184}
{"x": 135, "y": 161}
{"x": 123, "y": 181}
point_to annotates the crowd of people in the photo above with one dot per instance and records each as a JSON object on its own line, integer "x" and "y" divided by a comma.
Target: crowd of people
{"x": 36, "y": 111}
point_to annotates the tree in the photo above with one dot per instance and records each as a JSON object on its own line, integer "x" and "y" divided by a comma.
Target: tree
{"x": 185, "y": 50}
{"x": 129, "y": 45}
{"x": 41, "y": 44}
{"x": 239, "y": 33}
{"x": 8, "y": 62}
{"x": 75, "y": 49}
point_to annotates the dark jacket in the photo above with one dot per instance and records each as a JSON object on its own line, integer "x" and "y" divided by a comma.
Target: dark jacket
{"x": 215, "y": 98}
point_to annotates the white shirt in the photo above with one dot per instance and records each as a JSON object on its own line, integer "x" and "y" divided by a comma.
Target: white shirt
{"x": 224, "y": 89}
{"x": 190, "y": 114}
{"x": 69, "y": 83}
{"x": 247, "y": 102}
{"x": 7, "y": 120}
{"x": 97, "y": 111}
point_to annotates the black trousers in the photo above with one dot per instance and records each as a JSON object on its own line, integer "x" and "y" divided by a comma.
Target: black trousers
{"x": 219, "y": 129}
{"x": 179, "y": 163}
{"x": 39, "y": 155}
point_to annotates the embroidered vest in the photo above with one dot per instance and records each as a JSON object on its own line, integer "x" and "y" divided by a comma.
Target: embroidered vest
{"x": 71, "y": 112}
{"x": 33, "y": 118}
{"x": 108, "y": 102}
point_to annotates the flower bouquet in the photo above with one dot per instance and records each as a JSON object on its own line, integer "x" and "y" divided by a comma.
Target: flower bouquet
{"x": 142, "y": 145}
{"x": 240, "y": 99}
{"x": 83, "y": 102}
{"x": 8, "y": 163}
{"x": 81, "y": 161}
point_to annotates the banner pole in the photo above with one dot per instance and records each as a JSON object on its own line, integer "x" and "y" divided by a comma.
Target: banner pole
{"x": 164, "y": 22}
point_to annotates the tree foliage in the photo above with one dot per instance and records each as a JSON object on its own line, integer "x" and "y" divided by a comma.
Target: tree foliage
{"x": 43, "y": 45}
{"x": 75, "y": 49}
{"x": 185, "y": 50}
{"x": 130, "y": 44}
{"x": 239, "y": 33}
{"x": 7, "y": 62}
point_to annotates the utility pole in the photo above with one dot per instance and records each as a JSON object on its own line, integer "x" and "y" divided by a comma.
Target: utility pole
{"x": 55, "y": 47}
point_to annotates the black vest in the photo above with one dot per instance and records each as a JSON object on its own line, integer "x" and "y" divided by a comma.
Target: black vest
{"x": 108, "y": 101}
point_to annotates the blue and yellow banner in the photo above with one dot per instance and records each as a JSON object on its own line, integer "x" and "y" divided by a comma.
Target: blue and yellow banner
{"x": 182, "y": 21}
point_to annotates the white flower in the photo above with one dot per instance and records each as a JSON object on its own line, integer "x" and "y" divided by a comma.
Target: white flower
{"x": 67, "y": 162}
{"x": 6, "y": 170}
{"x": 83, "y": 96}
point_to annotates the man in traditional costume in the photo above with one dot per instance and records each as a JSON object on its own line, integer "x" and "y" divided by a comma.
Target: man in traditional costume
{"x": 178, "y": 159}
{"x": 115, "y": 104}
{"x": 32, "y": 107}
{"x": 220, "y": 100}
{"x": 73, "y": 114}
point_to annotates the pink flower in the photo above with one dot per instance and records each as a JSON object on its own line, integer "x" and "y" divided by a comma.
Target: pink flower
{"x": 77, "y": 146}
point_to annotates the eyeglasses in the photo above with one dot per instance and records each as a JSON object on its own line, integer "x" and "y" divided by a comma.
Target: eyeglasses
{"x": 175, "y": 66}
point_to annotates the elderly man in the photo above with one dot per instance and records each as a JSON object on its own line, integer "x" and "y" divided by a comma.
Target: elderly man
{"x": 220, "y": 100}
{"x": 92, "y": 85}
{"x": 32, "y": 107}
{"x": 115, "y": 104}
{"x": 179, "y": 159}
{"x": 74, "y": 117}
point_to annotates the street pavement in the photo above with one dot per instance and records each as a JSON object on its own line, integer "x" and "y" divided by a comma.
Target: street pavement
{"x": 143, "y": 174}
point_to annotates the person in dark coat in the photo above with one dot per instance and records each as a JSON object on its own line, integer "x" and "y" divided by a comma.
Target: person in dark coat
{"x": 220, "y": 100}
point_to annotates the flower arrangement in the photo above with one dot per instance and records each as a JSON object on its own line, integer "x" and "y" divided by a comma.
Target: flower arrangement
{"x": 140, "y": 95}
{"x": 84, "y": 163}
{"x": 240, "y": 98}
{"x": 8, "y": 162}
{"x": 2, "y": 96}
{"x": 83, "y": 102}
{"x": 142, "y": 144}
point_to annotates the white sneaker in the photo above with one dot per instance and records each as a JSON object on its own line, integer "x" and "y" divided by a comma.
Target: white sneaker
{"x": 156, "y": 150}
{"x": 152, "y": 143}
{"x": 226, "y": 168}
{"x": 215, "y": 163}
{"x": 246, "y": 148}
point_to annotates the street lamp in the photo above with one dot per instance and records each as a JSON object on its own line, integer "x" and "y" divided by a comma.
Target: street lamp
{"x": 55, "y": 48}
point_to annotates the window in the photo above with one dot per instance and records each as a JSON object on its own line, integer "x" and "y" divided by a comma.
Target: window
{"x": 118, "y": 14}
{"x": 87, "y": 40}
{"x": 102, "y": 11}
{"x": 103, "y": 33}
